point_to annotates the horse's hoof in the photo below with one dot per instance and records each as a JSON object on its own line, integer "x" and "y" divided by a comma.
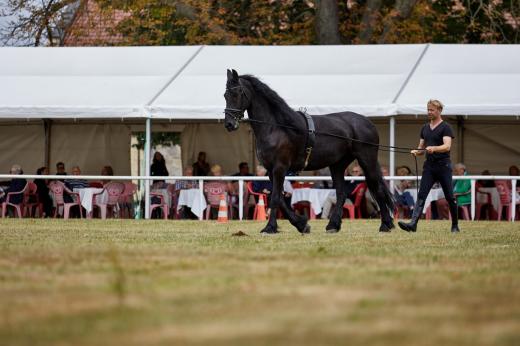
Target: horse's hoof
{"x": 306, "y": 229}
{"x": 384, "y": 228}
{"x": 268, "y": 231}
{"x": 332, "y": 230}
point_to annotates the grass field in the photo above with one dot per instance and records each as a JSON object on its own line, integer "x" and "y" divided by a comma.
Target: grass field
{"x": 190, "y": 282}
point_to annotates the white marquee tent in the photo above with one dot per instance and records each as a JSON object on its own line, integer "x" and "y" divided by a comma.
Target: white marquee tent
{"x": 101, "y": 90}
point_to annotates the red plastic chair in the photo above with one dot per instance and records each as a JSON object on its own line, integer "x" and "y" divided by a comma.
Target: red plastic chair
{"x": 57, "y": 188}
{"x": 19, "y": 208}
{"x": 354, "y": 210}
{"x": 114, "y": 191}
{"x": 505, "y": 198}
{"x": 251, "y": 192}
{"x": 32, "y": 201}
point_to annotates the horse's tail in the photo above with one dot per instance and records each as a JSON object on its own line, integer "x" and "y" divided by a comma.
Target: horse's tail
{"x": 389, "y": 198}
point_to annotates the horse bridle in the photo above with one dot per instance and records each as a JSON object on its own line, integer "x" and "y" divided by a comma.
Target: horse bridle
{"x": 235, "y": 113}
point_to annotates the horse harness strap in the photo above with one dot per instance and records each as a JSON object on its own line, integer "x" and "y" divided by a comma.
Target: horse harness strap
{"x": 311, "y": 137}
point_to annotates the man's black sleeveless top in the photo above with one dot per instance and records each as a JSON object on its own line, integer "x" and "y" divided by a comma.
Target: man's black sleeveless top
{"x": 434, "y": 138}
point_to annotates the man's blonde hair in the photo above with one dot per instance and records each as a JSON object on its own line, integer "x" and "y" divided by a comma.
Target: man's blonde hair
{"x": 437, "y": 104}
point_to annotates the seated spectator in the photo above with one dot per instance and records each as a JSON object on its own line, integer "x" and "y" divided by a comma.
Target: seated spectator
{"x": 404, "y": 199}
{"x": 60, "y": 168}
{"x": 216, "y": 171}
{"x": 260, "y": 186}
{"x": 201, "y": 167}
{"x": 158, "y": 169}
{"x": 187, "y": 184}
{"x": 350, "y": 186}
{"x": 243, "y": 170}
{"x": 461, "y": 191}
{"x": 185, "y": 211}
{"x": 486, "y": 183}
{"x": 76, "y": 183}
{"x": 213, "y": 189}
{"x": 15, "y": 185}
{"x": 107, "y": 170}
{"x": 42, "y": 189}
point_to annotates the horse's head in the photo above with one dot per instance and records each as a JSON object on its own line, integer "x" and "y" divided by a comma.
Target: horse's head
{"x": 237, "y": 101}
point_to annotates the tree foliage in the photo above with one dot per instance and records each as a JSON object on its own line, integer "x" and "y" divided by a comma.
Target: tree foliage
{"x": 284, "y": 22}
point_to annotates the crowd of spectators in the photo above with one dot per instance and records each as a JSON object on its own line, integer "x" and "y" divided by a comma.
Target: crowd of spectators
{"x": 403, "y": 189}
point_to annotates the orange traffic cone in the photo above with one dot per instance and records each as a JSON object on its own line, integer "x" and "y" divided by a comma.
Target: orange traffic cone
{"x": 260, "y": 209}
{"x": 222, "y": 210}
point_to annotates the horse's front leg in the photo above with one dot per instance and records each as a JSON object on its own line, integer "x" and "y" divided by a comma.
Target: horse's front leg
{"x": 276, "y": 177}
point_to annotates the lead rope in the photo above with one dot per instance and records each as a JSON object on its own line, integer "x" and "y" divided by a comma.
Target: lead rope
{"x": 381, "y": 147}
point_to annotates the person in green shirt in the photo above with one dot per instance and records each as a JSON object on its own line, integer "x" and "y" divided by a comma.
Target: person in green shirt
{"x": 461, "y": 192}
{"x": 462, "y": 187}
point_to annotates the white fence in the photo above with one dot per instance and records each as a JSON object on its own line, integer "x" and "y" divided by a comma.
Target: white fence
{"x": 241, "y": 179}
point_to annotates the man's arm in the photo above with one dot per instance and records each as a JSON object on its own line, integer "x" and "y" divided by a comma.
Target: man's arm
{"x": 444, "y": 148}
{"x": 420, "y": 146}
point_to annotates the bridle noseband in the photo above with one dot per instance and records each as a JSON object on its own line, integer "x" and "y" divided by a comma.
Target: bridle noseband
{"x": 235, "y": 113}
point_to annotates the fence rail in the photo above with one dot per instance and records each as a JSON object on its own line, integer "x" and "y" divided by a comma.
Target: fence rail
{"x": 241, "y": 179}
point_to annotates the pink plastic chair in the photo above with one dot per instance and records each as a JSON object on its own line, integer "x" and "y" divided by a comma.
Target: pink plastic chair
{"x": 505, "y": 198}
{"x": 57, "y": 188}
{"x": 17, "y": 207}
{"x": 114, "y": 191}
{"x": 213, "y": 190}
{"x": 32, "y": 201}
{"x": 126, "y": 200}
{"x": 162, "y": 204}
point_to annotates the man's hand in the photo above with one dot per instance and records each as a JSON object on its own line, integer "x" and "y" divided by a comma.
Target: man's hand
{"x": 416, "y": 152}
{"x": 430, "y": 150}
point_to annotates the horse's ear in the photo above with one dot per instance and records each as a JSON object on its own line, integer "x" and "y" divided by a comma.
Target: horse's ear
{"x": 229, "y": 74}
{"x": 235, "y": 75}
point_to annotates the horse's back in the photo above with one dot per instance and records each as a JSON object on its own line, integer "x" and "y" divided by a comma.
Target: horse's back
{"x": 355, "y": 125}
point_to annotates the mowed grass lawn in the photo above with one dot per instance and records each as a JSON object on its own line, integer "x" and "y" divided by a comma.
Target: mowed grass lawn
{"x": 193, "y": 283}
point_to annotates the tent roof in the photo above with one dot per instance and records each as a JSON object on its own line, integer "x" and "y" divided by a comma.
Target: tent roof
{"x": 323, "y": 79}
{"x": 468, "y": 79}
{"x": 187, "y": 82}
{"x": 85, "y": 82}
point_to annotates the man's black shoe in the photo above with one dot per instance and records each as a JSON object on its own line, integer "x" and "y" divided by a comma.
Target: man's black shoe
{"x": 408, "y": 227}
{"x": 455, "y": 229}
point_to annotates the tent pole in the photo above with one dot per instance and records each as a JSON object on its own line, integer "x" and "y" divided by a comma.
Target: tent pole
{"x": 392, "y": 153}
{"x": 47, "y": 154}
{"x": 460, "y": 136}
{"x": 147, "y": 168}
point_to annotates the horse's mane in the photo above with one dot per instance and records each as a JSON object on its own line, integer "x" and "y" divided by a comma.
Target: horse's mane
{"x": 277, "y": 104}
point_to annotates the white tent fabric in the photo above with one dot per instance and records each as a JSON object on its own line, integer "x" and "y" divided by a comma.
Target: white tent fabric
{"x": 323, "y": 79}
{"x": 90, "y": 82}
{"x": 468, "y": 79}
{"x": 187, "y": 82}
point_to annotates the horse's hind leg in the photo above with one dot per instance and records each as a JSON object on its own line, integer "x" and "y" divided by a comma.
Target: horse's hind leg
{"x": 377, "y": 187}
{"x": 300, "y": 222}
{"x": 337, "y": 171}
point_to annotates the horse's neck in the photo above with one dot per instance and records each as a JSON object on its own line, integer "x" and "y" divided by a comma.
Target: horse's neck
{"x": 261, "y": 114}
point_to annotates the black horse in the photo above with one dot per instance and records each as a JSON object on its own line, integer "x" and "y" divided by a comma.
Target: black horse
{"x": 282, "y": 138}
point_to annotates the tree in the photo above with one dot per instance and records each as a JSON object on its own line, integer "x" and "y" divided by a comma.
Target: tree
{"x": 36, "y": 23}
{"x": 327, "y": 22}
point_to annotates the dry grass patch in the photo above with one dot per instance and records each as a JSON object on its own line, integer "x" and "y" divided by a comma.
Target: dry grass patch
{"x": 189, "y": 282}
